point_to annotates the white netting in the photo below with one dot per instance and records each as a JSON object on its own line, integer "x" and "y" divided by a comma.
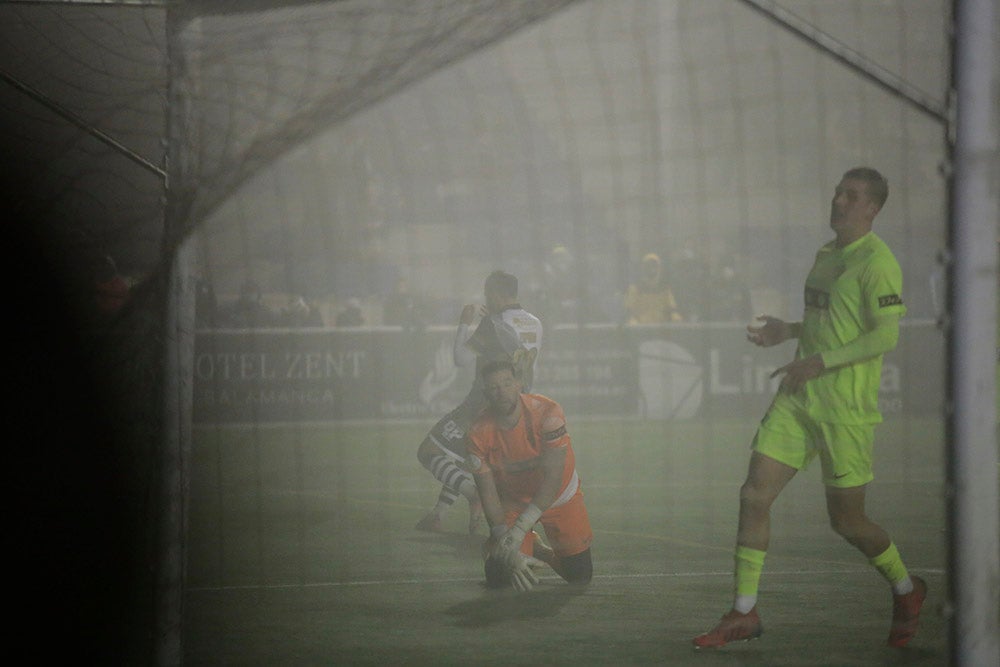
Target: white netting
{"x": 700, "y": 131}
{"x": 106, "y": 68}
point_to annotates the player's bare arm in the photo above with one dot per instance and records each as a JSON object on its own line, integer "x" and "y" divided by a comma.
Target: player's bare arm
{"x": 773, "y": 331}
{"x": 552, "y": 463}
{"x": 490, "y": 497}
{"x": 469, "y": 313}
{"x": 493, "y": 511}
{"x": 501, "y": 546}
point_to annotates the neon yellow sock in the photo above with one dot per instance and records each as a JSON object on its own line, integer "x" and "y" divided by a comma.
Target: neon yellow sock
{"x": 890, "y": 565}
{"x": 749, "y": 565}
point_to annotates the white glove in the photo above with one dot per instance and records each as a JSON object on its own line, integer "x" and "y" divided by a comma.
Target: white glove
{"x": 522, "y": 578}
{"x": 509, "y": 542}
{"x": 490, "y": 546}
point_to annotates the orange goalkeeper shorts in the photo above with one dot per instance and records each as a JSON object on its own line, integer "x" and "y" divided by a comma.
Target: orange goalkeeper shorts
{"x": 567, "y": 527}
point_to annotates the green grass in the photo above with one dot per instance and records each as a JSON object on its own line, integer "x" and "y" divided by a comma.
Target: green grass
{"x": 302, "y": 551}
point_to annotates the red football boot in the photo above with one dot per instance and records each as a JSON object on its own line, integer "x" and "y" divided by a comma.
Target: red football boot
{"x": 906, "y": 613}
{"x": 734, "y": 627}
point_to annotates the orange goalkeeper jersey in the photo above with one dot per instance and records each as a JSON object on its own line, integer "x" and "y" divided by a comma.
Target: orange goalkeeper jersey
{"x": 514, "y": 456}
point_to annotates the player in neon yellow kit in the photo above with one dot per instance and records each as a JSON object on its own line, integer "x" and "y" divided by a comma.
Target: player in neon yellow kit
{"x": 827, "y": 405}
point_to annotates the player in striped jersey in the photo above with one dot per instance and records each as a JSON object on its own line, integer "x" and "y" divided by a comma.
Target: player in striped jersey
{"x": 506, "y": 331}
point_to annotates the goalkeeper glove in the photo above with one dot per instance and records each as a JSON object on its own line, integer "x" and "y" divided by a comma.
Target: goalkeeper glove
{"x": 522, "y": 577}
{"x": 510, "y": 542}
{"x": 490, "y": 545}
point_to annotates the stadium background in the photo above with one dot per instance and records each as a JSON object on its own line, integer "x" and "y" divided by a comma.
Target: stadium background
{"x": 327, "y": 150}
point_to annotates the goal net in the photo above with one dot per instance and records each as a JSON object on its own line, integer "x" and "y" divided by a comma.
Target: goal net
{"x": 316, "y": 189}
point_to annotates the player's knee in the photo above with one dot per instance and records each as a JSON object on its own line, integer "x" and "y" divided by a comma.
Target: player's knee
{"x": 577, "y": 569}
{"x": 426, "y": 452}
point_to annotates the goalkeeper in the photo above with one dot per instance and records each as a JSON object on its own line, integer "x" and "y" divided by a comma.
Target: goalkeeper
{"x": 525, "y": 469}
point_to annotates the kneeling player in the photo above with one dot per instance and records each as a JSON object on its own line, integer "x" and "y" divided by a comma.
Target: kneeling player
{"x": 523, "y": 461}
{"x": 505, "y": 331}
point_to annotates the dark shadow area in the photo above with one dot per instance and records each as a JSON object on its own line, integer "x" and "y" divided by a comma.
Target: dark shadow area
{"x": 494, "y": 607}
{"x": 81, "y": 554}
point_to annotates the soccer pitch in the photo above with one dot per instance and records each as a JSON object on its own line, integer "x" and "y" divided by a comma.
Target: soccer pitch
{"x": 302, "y": 550}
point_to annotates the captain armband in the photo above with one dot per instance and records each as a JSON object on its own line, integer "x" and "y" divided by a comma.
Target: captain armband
{"x": 552, "y": 436}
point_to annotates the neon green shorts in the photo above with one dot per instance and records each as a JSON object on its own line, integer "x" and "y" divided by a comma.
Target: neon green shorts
{"x": 789, "y": 435}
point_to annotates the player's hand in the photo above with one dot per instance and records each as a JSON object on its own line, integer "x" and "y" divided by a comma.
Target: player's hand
{"x": 522, "y": 577}
{"x": 800, "y": 371}
{"x": 771, "y": 332}
{"x": 490, "y": 545}
{"x": 510, "y": 541}
{"x": 508, "y": 544}
{"x": 468, "y": 315}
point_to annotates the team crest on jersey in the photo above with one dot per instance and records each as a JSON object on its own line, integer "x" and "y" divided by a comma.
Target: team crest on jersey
{"x": 817, "y": 298}
{"x": 890, "y": 300}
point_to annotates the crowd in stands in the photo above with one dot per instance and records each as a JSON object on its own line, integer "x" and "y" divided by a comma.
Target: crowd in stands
{"x": 683, "y": 286}
{"x": 677, "y": 286}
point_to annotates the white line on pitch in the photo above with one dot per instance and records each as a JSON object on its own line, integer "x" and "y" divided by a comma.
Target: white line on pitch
{"x": 423, "y": 582}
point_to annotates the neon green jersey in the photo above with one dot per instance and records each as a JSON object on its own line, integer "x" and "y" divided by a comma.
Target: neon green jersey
{"x": 849, "y": 292}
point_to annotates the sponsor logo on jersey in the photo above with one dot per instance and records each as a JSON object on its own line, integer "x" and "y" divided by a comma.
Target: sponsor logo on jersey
{"x": 452, "y": 431}
{"x": 890, "y": 300}
{"x": 817, "y": 298}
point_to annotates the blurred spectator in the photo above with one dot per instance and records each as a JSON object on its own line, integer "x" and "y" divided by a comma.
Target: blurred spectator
{"x": 249, "y": 310}
{"x": 729, "y": 297}
{"x": 690, "y": 280}
{"x": 111, "y": 290}
{"x": 564, "y": 296}
{"x": 205, "y": 304}
{"x": 351, "y": 315}
{"x": 300, "y": 313}
{"x": 403, "y": 308}
{"x": 650, "y": 300}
